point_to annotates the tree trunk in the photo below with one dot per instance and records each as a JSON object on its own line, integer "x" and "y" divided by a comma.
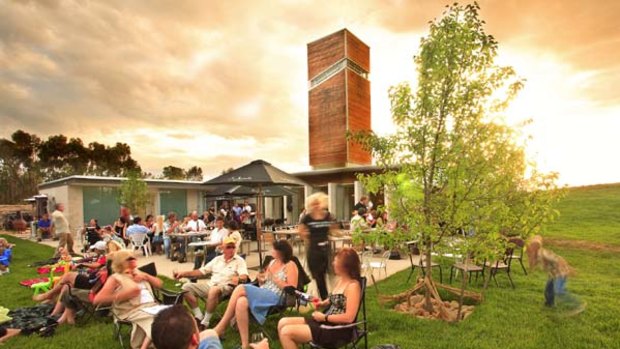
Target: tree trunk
{"x": 428, "y": 292}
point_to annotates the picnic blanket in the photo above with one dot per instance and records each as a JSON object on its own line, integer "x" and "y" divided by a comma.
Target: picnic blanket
{"x": 45, "y": 262}
{"x": 46, "y": 270}
{"x": 30, "y": 282}
{"x": 31, "y": 319}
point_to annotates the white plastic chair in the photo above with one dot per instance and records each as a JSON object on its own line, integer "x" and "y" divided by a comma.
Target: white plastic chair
{"x": 138, "y": 242}
{"x": 380, "y": 264}
{"x": 365, "y": 258}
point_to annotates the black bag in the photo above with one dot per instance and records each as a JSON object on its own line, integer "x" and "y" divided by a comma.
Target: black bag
{"x": 394, "y": 255}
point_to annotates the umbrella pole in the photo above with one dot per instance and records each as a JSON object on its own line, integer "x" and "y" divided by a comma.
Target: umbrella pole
{"x": 259, "y": 225}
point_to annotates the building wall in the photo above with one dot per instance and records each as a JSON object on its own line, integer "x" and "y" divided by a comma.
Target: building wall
{"x": 325, "y": 52}
{"x": 192, "y": 201}
{"x": 101, "y": 203}
{"x": 358, "y": 105}
{"x": 327, "y": 123}
{"x": 71, "y": 197}
{"x": 76, "y": 215}
{"x": 173, "y": 200}
{"x": 357, "y": 51}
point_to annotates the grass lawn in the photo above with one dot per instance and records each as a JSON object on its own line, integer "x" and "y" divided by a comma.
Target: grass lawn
{"x": 589, "y": 214}
{"x": 506, "y": 319}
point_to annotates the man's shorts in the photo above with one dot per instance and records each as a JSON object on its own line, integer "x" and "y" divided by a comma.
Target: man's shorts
{"x": 201, "y": 290}
{"x": 210, "y": 342}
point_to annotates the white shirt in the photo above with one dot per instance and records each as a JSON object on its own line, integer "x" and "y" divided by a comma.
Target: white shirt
{"x": 358, "y": 221}
{"x": 218, "y": 235}
{"x": 223, "y": 271}
{"x": 145, "y": 295}
{"x": 61, "y": 225}
{"x": 248, "y": 208}
{"x": 197, "y": 225}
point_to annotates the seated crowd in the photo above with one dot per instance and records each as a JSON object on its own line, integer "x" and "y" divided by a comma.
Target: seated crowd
{"x": 109, "y": 276}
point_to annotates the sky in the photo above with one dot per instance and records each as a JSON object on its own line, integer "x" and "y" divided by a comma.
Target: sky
{"x": 220, "y": 83}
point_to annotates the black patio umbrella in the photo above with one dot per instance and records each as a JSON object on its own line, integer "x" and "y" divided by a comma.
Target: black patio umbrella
{"x": 243, "y": 191}
{"x": 257, "y": 174}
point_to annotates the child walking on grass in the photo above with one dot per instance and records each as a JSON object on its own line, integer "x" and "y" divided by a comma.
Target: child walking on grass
{"x": 558, "y": 270}
{"x": 5, "y": 256}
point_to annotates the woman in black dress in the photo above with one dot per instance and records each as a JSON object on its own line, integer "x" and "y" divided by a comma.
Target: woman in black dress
{"x": 341, "y": 309}
{"x": 120, "y": 227}
{"x": 315, "y": 227}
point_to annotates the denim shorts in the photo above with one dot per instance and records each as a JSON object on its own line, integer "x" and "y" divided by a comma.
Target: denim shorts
{"x": 211, "y": 342}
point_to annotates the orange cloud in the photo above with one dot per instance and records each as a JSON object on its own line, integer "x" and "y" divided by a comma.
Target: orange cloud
{"x": 217, "y": 84}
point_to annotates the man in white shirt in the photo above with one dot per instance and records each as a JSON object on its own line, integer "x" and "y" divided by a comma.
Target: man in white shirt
{"x": 227, "y": 270}
{"x": 217, "y": 236}
{"x": 246, "y": 207}
{"x": 195, "y": 224}
{"x": 60, "y": 226}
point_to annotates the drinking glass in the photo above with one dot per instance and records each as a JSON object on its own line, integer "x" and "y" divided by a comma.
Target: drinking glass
{"x": 257, "y": 337}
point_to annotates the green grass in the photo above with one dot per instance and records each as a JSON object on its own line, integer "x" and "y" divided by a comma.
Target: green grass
{"x": 506, "y": 319}
{"x": 589, "y": 213}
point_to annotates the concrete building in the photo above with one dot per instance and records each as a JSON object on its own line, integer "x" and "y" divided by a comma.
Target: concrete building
{"x": 87, "y": 197}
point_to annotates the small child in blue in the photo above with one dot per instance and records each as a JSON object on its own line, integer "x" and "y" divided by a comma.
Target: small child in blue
{"x": 6, "y": 252}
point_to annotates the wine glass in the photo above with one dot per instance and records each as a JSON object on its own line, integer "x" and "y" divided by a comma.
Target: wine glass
{"x": 257, "y": 337}
{"x": 175, "y": 274}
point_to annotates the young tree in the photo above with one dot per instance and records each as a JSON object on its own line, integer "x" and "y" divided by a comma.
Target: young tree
{"x": 134, "y": 193}
{"x": 453, "y": 166}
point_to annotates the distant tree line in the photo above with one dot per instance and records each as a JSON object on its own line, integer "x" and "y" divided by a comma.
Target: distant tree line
{"x": 26, "y": 160}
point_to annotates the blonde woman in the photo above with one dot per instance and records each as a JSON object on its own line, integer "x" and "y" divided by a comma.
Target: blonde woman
{"x": 315, "y": 227}
{"x": 130, "y": 291}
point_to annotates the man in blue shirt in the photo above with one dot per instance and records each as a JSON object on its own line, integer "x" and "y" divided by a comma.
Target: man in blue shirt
{"x": 44, "y": 226}
{"x": 137, "y": 227}
{"x": 175, "y": 328}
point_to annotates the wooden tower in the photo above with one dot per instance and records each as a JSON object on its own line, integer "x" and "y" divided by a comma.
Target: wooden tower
{"x": 338, "y": 99}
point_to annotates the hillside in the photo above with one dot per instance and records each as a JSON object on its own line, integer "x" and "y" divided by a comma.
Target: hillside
{"x": 590, "y": 213}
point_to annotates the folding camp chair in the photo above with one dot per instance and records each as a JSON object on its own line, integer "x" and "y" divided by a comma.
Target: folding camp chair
{"x": 163, "y": 296}
{"x": 289, "y": 298}
{"x": 359, "y": 333}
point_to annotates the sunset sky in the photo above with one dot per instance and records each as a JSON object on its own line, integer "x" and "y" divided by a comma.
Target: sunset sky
{"x": 220, "y": 83}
